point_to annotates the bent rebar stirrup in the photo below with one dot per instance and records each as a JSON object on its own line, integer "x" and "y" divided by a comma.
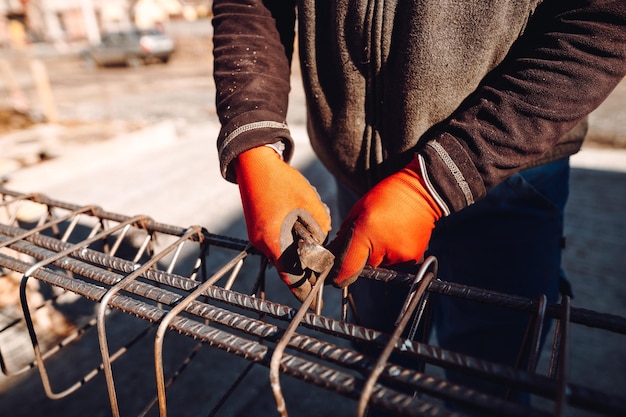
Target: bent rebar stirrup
{"x": 211, "y": 290}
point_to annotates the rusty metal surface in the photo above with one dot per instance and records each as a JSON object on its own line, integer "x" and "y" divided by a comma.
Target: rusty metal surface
{"x": 130, "y": 265}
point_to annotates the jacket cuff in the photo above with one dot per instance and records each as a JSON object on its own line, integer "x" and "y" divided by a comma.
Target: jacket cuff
{"x": 248, "y": 131}
{"x": 450, "y": 174}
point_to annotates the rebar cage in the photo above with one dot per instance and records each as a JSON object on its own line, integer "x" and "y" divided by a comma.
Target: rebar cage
{"x": 122, "y": 266}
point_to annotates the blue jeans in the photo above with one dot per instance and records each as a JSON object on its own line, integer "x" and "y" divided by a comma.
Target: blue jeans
{"x": 511, "y": 242}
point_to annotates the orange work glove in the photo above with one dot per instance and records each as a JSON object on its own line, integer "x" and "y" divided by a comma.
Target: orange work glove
{"x": 274, "y": 195}
{"x": 390, "y": 225}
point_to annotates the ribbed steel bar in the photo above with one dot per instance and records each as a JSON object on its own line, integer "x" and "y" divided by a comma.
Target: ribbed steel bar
{"x": 289, "y": 333}
{"x": 26, "y": 310}
{"x": 315, "y": 373}
{"x": 104, "y": 304}
{"x": 429, "y": 353}
{"x": 149, "y": 225}
{"x": 41, "y": 228}
{"x": 314, "y": 347}
{"x": 420, "y": 283}
{"x": 93, "y": 268}
{"x": 604, "y": 321}
{"x": 432, "y": 354}
{"x": 262, "y": 330}
{"x": 582, "y": 316}
{"x": 173, "y": 313}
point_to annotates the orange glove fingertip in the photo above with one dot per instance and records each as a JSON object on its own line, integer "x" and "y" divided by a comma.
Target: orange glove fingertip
{"x": 351, "y": 256}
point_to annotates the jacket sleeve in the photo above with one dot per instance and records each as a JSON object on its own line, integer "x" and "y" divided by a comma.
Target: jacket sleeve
{"x": 252, "y": 49}
{"x": 570, "y": 57}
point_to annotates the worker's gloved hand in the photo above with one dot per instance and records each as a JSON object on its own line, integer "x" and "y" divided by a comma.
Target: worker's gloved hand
{"x": 274, "y": 196}
{"x": 390, "y": 225}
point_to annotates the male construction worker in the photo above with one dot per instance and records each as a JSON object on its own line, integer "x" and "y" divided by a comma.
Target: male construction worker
{"x": 447, "y": 125}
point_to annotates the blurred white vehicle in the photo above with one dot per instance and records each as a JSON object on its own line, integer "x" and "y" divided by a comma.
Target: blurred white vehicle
{"x": 132, "y": 48}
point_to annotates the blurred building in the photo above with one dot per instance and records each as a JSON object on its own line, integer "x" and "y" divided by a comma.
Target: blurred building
{"x": 68, "y": 21}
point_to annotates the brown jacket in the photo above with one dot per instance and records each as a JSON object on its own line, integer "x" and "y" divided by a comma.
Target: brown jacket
{"x": 480, "y": 89}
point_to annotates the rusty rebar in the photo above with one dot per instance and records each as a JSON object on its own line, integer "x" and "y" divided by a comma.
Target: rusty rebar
{"x": 156, "y": 298}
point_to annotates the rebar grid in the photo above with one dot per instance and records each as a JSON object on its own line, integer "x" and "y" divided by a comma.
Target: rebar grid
{"x": 77, "y": 249}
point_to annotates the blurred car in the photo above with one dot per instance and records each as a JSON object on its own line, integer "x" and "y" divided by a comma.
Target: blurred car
{"x": 131, "y": 47}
